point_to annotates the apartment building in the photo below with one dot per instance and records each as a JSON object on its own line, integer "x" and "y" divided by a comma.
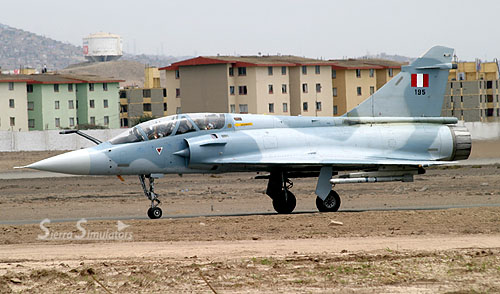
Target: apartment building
{"x": 98, "y": 101}
{"x": 472, "y": 92}
{"x": 136, "y": 102}
{"x": 13, "y": 101}
{"x": 281, "y": 85}
{"x": 354, "y": 80}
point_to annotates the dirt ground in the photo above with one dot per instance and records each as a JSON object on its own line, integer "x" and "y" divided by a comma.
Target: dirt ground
{"x": 357, "y": 250}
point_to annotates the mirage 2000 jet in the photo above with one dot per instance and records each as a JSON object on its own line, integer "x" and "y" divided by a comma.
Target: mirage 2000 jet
{"x": 391, "y": 136}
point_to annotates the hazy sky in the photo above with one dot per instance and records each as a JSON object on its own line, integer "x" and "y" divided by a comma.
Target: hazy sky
{"x": 312, "y": 28}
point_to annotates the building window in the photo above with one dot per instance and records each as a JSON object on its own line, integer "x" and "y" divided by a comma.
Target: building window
{"x": 270, "y": 88}
{"x": 70, "y": 87}
{"x": 12, "y": 103}
{"x": 146, "y": 107}
{"x": 242, "y": 71}
{"x": 104, "y": 86}
{"x": 358, "y": 91}
{"x": 31, "y": 105}
{"x": 304, "y": 70}
{"x": 29, "y": 88}
{"x": 231, "y": 71}
{"x": 106, "y": 120}
{"x": 391, "y": 73}
{"x": 70, "y": 104}
{"x": 58, "y": 122}
{"x": 283, "y": 70}
{"x": 318, "y": 105}
{"x": 232, "y": 108}
{"x": 231, "y": 90}
{"x": 56, "y": 87}
{"x": 146, "y": 93}
{"x": 56, "y": 104}
{"x": 304, "y": 106}
{"x": 372, "y": 72}
{"x": 71, "y": 121}
{"x": 304, "y": 88}
{"x": 123, "y": 108}
{"x": 372, "y": 90}
{"x": 92, "y": 120}
{"x": 177, "y": 74}
{"x": 317, "y": 69}
{"x": 283, "y": 89}
{"x": 271, "y": 107}
{"x": 358, "y": 73}
{"x": 11, "y": 86}
{"x": 91, "y": 87}
{"x": 243, "y": 108}
{"x": 123, "y": 94}
{"x": 334, "y": 73}
{"x": 270, "y": 70}
{"x": 177, "y": 93}
{"x": 76, "y": 105}
{"x": 31, "y": 123}
{"x": 318, "y": 88}
{"x": 335, "y": 110}
{"x": 334, "y": 90}
{"x": 92, "y": 103}
{"x": 285, "y": 107}
{"x": 178, "y": 110}
{"x": 105, "y": 103}
{"x": 165, "y": 108}
{"x": 164, "y": 92}
{"x": 12, "y": 121}
{"x": 242, "y": 90}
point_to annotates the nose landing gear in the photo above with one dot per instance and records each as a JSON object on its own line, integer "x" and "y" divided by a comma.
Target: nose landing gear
{"x": 154, "y": 212}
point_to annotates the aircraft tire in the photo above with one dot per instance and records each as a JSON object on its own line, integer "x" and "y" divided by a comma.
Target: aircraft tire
{"x": 154, "y": 213}
{"x": 331, "y": 203}
{"x": 284, "y": 207}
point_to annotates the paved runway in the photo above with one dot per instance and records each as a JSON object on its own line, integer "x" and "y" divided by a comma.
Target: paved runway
{"x": 142, "y": 217}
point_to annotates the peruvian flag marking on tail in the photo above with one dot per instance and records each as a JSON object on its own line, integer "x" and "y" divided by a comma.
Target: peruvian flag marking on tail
{"x": 420, "y": 80}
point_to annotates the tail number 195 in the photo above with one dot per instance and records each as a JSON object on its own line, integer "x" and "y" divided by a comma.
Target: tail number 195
{"x": 419, "y": 91}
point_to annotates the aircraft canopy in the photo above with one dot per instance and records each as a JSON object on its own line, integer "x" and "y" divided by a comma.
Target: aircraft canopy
{"x": 171, "y": 125}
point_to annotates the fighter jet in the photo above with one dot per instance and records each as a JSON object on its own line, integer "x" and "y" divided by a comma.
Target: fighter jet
{"x": 391, "y": 136}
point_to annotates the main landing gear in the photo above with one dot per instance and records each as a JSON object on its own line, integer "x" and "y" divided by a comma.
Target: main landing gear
{"x": 278, "y": 188}
{"x": 154, "y": 211}
{"x": 330, "y": 204}
{"x": 279, "y": 185}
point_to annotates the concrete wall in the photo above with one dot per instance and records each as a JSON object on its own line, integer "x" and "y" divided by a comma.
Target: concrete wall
{"x": 51, "y": 140}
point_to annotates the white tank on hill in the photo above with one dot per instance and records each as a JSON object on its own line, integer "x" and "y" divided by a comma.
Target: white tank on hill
{"x": 101, "y": 46}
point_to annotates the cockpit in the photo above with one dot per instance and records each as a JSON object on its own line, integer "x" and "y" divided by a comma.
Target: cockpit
{"x": 170, "y": 126}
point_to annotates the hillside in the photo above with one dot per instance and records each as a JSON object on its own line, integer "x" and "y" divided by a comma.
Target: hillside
{"x": 130, "y": 71}
{"x": 19, "y": 48}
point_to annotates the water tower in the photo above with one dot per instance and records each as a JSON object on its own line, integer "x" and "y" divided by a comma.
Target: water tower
{"x": 101, "y": 46}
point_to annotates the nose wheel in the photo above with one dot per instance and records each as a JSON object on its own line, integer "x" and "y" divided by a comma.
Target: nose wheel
{"x": 154, "y": 212}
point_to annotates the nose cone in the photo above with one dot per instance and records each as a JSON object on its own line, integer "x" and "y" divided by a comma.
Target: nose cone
{"x": 74, "y": 162}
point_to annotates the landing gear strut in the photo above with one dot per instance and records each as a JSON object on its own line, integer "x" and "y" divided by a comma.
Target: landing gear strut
{"x": 278, "y": 188}
{"x": 154, "y": 211}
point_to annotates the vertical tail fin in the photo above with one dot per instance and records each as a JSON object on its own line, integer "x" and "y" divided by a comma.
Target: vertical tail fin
{"x": 416, "y": 91}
